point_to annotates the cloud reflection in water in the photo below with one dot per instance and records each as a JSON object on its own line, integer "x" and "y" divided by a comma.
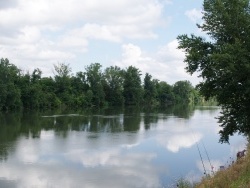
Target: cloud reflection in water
{"x": 109, "y": 167}
{"x": 144, "y": 155}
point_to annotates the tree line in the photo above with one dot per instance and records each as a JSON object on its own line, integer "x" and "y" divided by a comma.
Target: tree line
{"x": 94, "y": 86}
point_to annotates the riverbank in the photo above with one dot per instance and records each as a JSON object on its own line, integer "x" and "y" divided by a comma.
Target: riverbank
{"x": 235, "y": 176}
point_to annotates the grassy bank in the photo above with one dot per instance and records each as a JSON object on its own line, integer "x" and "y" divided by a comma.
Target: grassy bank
{"x": 235, "y": 176}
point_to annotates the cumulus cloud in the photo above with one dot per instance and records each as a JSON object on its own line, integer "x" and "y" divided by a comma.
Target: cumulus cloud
{"x": 34, "y": 31}
{"x": 45, "y": 13}
{"x": 194, "y": 15}
{"x": 170, "y": 52}
{"x": 132, "y": 54}
{"x": 95, "y": 31}
{"x": 38, "y": 34}
{"x": 166, "y": 65}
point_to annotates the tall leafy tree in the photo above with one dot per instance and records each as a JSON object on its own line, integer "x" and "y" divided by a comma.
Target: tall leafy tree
{"x": 223, "y": 61}
{"x": 149, "y": 89}
{"x": 37, "y": 92}
{"x": 165, "y": 93}
{"x": 183, "y": 92}
{"x": 36, "y": 95}
{"x": 79, "y": 82}
{"x": 24, "y": 86}
{"x": 50, "y": 100}
{"x": 10, "y": 95}
{"x": 113, "y": 85}
{"x": 132, "y": 89}
{"x": 63, "y": 83}
{"x": 95, "y": 79}
{"x": 79, "y": 88}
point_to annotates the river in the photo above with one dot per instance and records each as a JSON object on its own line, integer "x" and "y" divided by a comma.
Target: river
{"x": 119, "y": 147}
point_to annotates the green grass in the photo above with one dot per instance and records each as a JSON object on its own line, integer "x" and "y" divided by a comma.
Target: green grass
{"x": 235, "y": 176}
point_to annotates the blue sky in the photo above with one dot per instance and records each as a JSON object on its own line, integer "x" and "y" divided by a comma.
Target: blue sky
{"x": 142, "y": 33}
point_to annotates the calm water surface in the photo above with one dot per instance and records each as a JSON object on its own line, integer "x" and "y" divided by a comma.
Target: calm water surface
{"x": 111, "y": 148}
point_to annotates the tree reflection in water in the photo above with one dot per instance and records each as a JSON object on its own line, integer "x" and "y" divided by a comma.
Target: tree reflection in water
{"x": 132, "y": 145}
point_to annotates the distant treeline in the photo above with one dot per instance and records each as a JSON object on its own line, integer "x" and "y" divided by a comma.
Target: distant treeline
{"x": 93, "y": 87}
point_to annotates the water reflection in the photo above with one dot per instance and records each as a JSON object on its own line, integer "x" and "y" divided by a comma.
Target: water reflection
{"x": 129, "y": 147}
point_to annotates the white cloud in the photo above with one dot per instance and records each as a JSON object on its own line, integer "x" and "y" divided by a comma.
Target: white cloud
{"x": 194, "y": 15}
{"x": 28, "y": 35}
{"x": 166, "y": 65}
{"x": 96, "y": 31}
{"x": 170, "y": 52}
{"x": 131, "y": 54}
{"x": 38, "y": 34}
{"x": 58, "y": 30}
{"x": 143, "y": 14}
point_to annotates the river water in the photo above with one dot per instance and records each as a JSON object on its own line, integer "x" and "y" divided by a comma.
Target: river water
{"x": 126, "y": 147}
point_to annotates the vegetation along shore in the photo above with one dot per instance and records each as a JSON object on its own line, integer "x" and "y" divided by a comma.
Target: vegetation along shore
{"x": 92, "y": 87}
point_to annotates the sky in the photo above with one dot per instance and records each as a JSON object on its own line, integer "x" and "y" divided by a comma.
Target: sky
{"x": 142, "y": 33}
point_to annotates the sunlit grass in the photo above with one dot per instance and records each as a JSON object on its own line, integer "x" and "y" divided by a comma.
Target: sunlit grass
{"x": 235, "y": 176}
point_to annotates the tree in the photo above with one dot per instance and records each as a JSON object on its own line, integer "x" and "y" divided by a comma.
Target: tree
{"x": 149, "y": 90}
{"x": 132, "y": 90}
{"x": 165, "y": 93}
{"x": 36, "y": 75}
{"x": 79, "y": 88}
{"x": 183, "y": 92}
{"x": 10, "y": 95}
{"x": 95, "y": 78}
{"x": 50, "y": 100}
{"x": 63, "y": 83}
{"x": 223, "y": 61}
{"x": 113, "y": 86}
{"x": 24, "y": 86}
{"x": 62, "y": 70}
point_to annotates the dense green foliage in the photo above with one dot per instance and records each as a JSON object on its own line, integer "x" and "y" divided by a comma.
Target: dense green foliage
{"x": 223, "y": 61}
{"x": 93, "y": 87}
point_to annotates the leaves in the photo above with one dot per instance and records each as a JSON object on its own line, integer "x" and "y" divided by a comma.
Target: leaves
{"x": 132, "y": 89}
{"x": 91, "y": 88}
{"x": 223, "y": 61}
